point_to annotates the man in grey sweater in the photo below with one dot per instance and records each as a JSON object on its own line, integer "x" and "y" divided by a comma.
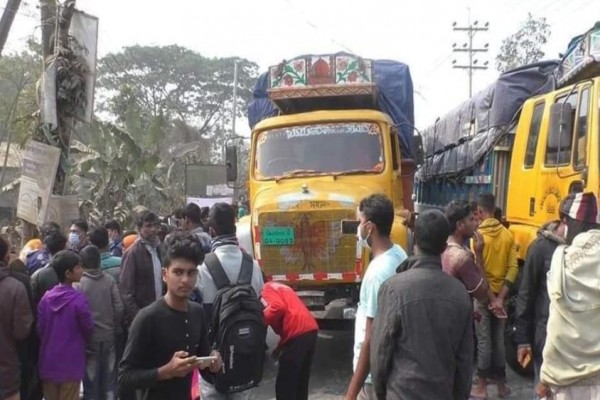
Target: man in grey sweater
{"x": 107, "y": 312}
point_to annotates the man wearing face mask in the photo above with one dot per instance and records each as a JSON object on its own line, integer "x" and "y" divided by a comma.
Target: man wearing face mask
{"x": 78, "y": 235}
{"x": 376, "y": 215}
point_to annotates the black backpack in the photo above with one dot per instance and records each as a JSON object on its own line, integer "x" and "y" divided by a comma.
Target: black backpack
{"x": 238, "y": 330}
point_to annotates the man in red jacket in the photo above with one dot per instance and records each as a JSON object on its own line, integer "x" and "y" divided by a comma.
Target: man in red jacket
{"x": 297, "y": 328}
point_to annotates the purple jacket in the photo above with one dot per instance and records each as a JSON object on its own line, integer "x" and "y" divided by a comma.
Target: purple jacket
{"x": 64, "y": 324}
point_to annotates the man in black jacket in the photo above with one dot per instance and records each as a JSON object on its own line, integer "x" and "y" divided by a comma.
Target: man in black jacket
{"x": 168, "y": 336}
{"x": 422, "y": 340}
{"x": 533, "y": 303}
{"x": 140, "y": 280}
{"x": 45, "y": 278}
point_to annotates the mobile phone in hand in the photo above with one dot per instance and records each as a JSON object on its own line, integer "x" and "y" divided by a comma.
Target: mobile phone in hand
{"x": 204, "y": 362}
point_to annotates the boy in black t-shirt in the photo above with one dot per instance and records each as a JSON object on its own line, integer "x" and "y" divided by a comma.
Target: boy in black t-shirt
{"x": 167, "y": 337}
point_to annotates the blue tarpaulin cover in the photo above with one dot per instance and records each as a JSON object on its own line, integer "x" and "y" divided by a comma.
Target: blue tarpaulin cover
{"x": 394, "y": 97}
{"x": 461, "y": 138}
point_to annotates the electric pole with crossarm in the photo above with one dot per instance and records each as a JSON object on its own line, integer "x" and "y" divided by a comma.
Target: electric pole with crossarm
{"x": 473, "y": 63}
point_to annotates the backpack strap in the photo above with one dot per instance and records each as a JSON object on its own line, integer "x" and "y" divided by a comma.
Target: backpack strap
{"x": 246, "y": 270}
{"x": 216, "y": 271}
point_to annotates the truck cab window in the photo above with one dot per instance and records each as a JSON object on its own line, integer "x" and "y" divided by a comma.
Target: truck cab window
{"x": 534, "y": 134}
{"x": 562, "y": 155}
{"x": 581, "y": 129}
{"x": 395, "y": 161}
{"x": 338, "y": 147}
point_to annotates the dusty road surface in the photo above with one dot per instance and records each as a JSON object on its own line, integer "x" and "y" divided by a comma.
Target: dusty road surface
{"x": 332, "y": 369}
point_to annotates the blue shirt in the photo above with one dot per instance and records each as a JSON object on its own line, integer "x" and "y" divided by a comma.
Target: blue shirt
{"x": 380, "y": 269}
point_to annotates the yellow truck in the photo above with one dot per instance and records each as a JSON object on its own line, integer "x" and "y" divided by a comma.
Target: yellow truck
{"x": 327, "y": 131}
{"x": 530, "y": 138}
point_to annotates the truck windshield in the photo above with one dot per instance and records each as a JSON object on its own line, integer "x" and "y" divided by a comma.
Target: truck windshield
{"x": 319, "y": 149}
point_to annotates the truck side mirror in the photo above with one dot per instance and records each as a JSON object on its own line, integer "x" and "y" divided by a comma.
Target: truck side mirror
{"x": 418, "y": 153}
{"x": 231, "y": 164}
{"x": 561, "y": 126}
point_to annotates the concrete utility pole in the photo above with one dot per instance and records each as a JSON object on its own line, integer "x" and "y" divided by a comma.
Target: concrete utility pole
{"x": 471, "y": 29}
{"x": 235, "y": 85}
{"x": 48, "y": 17}
{"x": 12, "y": 6}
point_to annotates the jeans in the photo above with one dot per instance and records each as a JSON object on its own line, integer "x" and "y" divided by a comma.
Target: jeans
{"x": 100, "y": 378}
{"x": 491, "y": 361}
{"x": 209, "y": 392}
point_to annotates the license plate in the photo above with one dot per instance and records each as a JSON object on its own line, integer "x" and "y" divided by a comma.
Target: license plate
{"x": 278, "y": 236}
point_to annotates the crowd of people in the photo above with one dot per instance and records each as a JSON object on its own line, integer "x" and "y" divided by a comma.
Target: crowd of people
{"x": 414, "y": 328}
{"x": 183, "y": 314}
{"x": 148, "y": 317}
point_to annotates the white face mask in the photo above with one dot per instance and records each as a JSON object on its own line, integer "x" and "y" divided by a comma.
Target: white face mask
{"x": 74, "y": 240}
{"x": 363, "y": 241}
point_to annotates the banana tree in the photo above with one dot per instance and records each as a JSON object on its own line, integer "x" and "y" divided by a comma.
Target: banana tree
{"x": 113, "y": 173}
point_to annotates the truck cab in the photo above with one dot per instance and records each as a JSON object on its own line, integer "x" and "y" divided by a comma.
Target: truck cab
{"x": 556, "y": 152}
{"x": 326, "y": 148}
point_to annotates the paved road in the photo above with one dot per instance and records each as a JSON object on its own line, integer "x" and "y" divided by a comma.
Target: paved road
{"x": 332, "y": 369}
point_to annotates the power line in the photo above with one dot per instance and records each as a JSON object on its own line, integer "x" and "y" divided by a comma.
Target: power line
{"x": 318, "y": 29}
{"x": 471, "y": 30}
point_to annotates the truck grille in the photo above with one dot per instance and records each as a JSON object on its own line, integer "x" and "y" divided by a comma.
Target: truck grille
{"x": 318, "y": 244}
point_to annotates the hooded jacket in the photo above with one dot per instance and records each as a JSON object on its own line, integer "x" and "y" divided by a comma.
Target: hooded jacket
{"x": 533, "y": 302}
{"x": 499, "y": 254}
{"x": 105, "y": 303}
{"x": 286, "y": 313}
{"x": 64, "y": 324}
{"x": 42, "y": 280}
{"x": 111, "y": 265}
{"x": 572, "y": 347}
{"x": 16, "y": 319}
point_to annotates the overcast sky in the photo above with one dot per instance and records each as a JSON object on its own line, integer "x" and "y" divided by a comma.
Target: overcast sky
{"x": 418, "y": 33}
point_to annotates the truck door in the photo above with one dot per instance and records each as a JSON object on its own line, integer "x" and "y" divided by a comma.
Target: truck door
{"x": 526, "y": 162}
{"x": 397, "y": 195}
{"x": 565, "y": 162}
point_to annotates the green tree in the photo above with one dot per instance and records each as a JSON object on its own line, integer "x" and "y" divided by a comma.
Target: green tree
{"x": 112, "y": 173}
{"x": 525, "y": 46}
{"x": 19, "y": 73}
{"x": 168, "y": 106}
{"x": 175, "y": 83}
